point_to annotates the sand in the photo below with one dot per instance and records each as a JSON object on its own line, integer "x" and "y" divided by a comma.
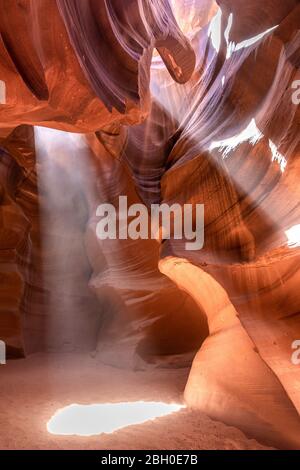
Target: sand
{"x": 33, "y": 389}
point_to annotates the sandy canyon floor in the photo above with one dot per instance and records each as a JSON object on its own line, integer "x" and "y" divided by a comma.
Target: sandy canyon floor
{"x": 33, "y": 389}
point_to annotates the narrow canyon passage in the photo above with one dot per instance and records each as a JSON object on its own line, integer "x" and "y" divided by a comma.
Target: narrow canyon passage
{"x": 149, "y": 224}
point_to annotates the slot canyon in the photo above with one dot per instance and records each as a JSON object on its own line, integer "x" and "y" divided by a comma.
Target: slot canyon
{"x": 177, "y": 103}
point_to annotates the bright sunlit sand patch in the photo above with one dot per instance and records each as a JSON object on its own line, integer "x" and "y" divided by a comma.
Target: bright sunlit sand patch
{"x": 89, "y": 420}
{"x": 293, "y": 236}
